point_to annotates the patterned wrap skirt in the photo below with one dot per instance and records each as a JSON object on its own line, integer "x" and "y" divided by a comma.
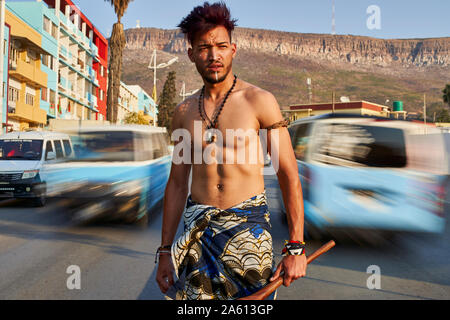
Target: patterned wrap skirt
{"x": 223, "y": 254}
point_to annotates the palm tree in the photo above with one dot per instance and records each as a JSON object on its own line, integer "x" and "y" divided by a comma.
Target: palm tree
{"x": 116, "y": 45}
{"x": 446, "y": 95}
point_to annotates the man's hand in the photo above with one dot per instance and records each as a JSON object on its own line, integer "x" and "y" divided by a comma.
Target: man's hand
{"x": 164, "y": 275}
{"x": 294, "y": 267}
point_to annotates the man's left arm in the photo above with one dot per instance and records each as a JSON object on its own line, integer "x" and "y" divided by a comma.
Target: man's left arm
{"x": 280, "y": 149}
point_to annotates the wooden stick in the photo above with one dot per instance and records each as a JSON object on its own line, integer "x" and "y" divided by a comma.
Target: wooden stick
{"x": 271, "y": 287}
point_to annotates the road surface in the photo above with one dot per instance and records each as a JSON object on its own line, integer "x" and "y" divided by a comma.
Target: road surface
{"x": 38, "y": 245}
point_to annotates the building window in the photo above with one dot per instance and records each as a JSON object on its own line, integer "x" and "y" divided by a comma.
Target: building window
{"x": 52, "y": 97}
{"x": 54, "y": 31}
{"x": 13, "y": 94}
{"x": 29, "y": 99}
{"x": 44, "y": 95}
{"x": 47, "y": 25}
{"x": 30, "y": 56}
{"x": 44, "y": 59}
{"x": 101, "y": 95}
{"x": 14, "y": 54}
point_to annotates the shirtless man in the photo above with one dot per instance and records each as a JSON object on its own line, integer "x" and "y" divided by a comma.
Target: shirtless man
{"x": 227, "y": 198}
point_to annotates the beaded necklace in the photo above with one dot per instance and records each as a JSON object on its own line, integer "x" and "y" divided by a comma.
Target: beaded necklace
{"x": 210, "y": 136}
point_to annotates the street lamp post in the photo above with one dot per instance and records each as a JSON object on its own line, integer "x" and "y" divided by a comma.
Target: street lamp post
{"x": 154, "y": 66}
{"x": 185, "y": 94}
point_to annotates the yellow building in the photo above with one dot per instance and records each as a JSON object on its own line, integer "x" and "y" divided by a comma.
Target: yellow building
{"x": 25, "y": 76}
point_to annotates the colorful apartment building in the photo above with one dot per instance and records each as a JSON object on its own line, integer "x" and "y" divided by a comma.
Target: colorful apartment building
{"x": 92, "y": 57}
{"x": 26, "y": 80}
{"x": 75, "y": 59}
{"x": 5, "y": 76}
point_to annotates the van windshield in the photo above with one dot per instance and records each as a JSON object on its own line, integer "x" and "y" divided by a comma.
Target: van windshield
{"x": 20, "y": 149}
{"x": 104, "y": 146}
{"x": 360, "y": 145}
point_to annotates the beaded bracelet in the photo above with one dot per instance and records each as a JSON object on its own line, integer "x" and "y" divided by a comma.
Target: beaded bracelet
{"x": 164, "y": 250}
{"x": 293, "y": 248}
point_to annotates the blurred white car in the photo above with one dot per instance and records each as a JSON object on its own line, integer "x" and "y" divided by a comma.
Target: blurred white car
{"x": 22, "y": 157}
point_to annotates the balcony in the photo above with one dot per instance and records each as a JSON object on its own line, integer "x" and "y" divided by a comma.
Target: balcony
{"x": 85, "y": 40}
{"x": 11, "y": 107}
{"x": 28, "y": 113}
{"x": 63, "y": 52}
{"x": 94, "y": 102}
{"x": 28, "y": 72}
{"x": 64, "y": 21}
{"x": 63, "y": 83}
{"x": 74, "y": 61}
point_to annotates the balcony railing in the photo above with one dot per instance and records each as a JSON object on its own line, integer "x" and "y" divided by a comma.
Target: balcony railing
{"x": 63, "y": 82}
{"x": 11, "y": 107}
{"x": 63, "y": 19}
{"x": 63, "y": 51}
{"x": 27, "y": 112}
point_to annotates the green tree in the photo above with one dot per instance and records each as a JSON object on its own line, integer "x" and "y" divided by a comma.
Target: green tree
{"x": 135, "y": 118}
{"x": 442, "y": 115}
{"x": 167, "y": 103}
{"x": 446, "y": 95}
{"x": 116, "y": 45}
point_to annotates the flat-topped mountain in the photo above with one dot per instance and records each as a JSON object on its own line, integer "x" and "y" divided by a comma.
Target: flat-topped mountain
{"x": 355, "y": 66}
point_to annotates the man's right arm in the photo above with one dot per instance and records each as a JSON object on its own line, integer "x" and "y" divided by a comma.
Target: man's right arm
{"x": 174, "y": 200}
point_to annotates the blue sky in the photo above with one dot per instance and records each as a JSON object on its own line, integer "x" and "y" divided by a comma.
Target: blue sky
{"x": 398, "y": 18}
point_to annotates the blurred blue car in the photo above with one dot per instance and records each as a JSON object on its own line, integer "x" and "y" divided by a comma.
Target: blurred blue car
{"x": 362, "y": 173}
{"x": 119, "y": 173}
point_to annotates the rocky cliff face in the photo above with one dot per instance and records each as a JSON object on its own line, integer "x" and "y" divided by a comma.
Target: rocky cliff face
{"x": 355, "y": 50}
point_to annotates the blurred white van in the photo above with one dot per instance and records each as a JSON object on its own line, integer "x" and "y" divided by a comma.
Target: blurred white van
{"x": 370, "y": 173}
{"x": 22, "y": 156}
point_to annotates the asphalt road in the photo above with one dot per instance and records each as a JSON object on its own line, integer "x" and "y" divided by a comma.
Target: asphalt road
{"x": 38, "y": 245}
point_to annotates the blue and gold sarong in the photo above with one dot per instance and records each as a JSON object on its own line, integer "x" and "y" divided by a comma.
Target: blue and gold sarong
{"x": 223, "y": 254}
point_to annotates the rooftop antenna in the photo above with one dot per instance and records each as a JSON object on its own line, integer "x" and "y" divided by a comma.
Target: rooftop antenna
{"x": 333, "y": 19}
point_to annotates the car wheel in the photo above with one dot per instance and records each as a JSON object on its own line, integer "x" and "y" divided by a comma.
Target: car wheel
{"x": 39, "y": 202}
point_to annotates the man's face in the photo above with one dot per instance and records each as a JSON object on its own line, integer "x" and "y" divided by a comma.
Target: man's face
{"x": 213, "y": 52}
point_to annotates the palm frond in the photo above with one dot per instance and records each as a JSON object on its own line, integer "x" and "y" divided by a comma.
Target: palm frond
{"x": 120, "y": 7}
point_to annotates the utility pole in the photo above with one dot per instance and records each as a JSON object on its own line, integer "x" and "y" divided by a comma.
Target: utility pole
{"x": 154, "y": 75}
{"x": 153, "y": 66}
{"x": 425, "y": 111}
{"x": 308, "y": 83}
{"x": 425, "y": 108}
{"x": 333, "y": 98}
